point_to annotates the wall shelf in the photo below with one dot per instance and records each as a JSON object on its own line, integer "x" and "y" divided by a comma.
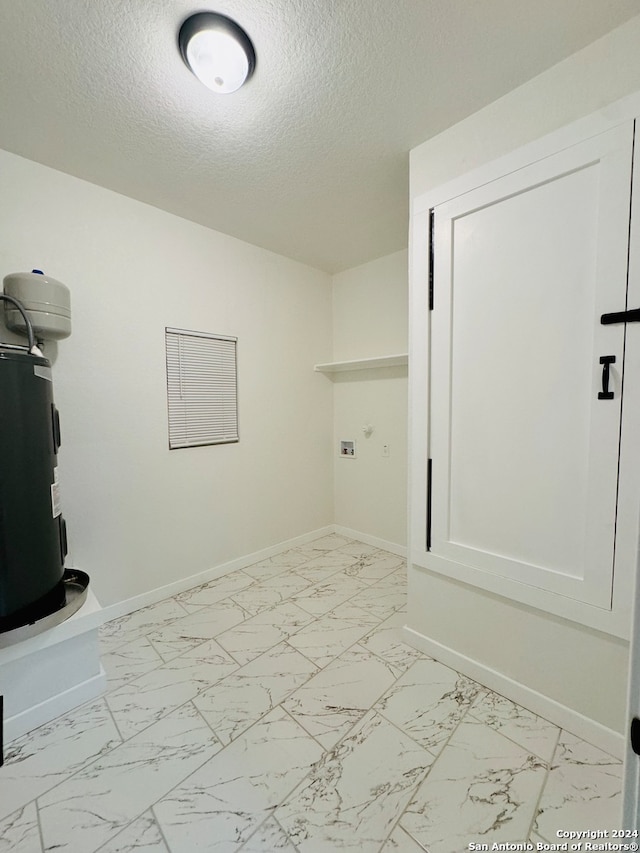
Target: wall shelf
{"x": 364, "y": 363}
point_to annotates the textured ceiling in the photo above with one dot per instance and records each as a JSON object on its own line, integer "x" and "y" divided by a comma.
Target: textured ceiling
{"x": 310, "y": 158}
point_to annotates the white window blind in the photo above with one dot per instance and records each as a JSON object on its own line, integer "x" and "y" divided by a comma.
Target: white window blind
{"x": 201, "y": 388}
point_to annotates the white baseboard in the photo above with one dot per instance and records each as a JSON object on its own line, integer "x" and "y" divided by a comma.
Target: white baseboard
{"x": 129, "y": 605}
{"x": 53, "y": 707}
{"x": 572, "y": 721}
{"x": 400, "y": 550}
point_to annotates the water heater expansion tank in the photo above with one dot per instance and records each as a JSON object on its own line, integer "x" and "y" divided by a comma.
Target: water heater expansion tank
{"x": 47, "y": 301}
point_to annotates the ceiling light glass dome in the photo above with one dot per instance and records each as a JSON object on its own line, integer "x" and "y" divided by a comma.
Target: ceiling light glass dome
{"x": 217, "y": 50}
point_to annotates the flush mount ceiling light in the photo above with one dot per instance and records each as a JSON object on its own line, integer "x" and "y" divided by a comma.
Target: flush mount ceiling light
{"x": 217, "y": 50}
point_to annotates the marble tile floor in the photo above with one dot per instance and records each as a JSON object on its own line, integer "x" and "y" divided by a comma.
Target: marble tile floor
{"x": 278, "y": 709}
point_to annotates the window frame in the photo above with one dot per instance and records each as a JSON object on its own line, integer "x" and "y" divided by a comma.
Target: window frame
{"x": 209, "y": 370}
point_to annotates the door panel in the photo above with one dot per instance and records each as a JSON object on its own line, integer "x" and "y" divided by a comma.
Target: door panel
{"x": 524, "y": 453}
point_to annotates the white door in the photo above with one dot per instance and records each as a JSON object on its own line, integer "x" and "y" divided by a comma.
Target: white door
{"x": 524, "y": 448}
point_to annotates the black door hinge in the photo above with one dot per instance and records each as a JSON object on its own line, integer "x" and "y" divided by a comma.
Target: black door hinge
{"x": 635, "y": 735}
{"x": 432, "y": 222}
{"x": 429, "y": 489}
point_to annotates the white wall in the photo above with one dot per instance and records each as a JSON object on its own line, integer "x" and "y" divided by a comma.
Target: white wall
{"x": 370, "y": 319}
{"x": 138, "y": 515}
{"x": 588, "y": 81}
{"x": 563, "y": 661}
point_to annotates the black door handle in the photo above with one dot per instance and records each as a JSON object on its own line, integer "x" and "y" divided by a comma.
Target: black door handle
{"x": 606, "y": 361}
{"x": 632, "y": 316}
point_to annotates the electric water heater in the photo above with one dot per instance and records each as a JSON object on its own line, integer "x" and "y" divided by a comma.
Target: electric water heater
{"x": 36, "y": 591}
{"x": 32, "y": 531}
